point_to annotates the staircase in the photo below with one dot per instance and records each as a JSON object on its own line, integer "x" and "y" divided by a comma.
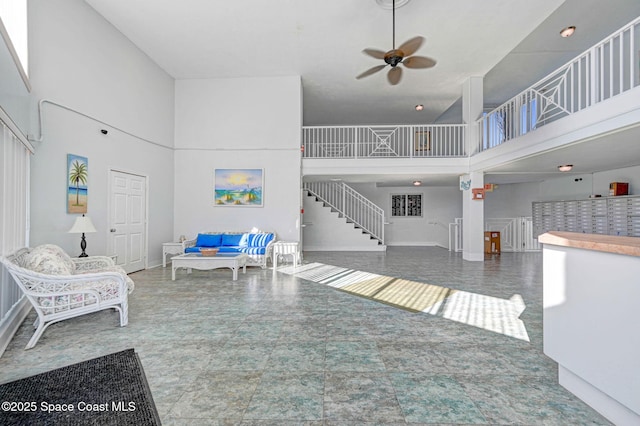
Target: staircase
{"x": 342, "y": 218}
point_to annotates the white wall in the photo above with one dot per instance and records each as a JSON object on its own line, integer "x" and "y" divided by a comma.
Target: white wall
{"x": 512, "y": 200}
{"x": 515, "y": 200}
{"x": 441, "y": 205}
{"x": 238, "y": 123}
{"x": 82, "y": 62}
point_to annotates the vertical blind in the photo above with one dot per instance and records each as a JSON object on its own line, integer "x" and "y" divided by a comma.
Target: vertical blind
{"x": 14, "y": 209}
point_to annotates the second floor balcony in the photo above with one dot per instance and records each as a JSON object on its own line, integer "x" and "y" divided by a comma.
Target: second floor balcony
{"x": 384, "y": 141}
{"x": 603, "y": 72}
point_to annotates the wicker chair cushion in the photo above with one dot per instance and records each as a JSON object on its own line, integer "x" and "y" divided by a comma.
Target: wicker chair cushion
{"x": 114, "y": 268}
{"x": 49, "y": 259}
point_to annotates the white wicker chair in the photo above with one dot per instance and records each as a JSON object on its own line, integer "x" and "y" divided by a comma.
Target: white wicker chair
{"x": 78, "y": 287}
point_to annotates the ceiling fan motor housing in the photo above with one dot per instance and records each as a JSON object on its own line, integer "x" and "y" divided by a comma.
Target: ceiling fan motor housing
{"x": 394, "y": 57}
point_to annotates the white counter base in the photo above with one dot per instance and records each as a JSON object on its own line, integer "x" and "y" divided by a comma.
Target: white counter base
{"x": 591, "y": 305}
{"x": 603, "y": 403}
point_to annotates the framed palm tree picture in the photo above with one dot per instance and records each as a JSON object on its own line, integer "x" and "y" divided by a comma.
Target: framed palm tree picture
{"x": 77, "y": 183}
{"x": 238, "y": 187}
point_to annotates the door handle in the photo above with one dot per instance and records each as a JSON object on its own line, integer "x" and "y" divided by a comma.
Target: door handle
{"x": 112, "y": 230}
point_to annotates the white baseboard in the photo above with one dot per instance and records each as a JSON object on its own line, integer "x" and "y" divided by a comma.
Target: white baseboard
{"x": 613, "y": 410}
{"x": 358, "y": 248}
{"x": 473, "y": 257}
{"x": 12, "y": 321}
{"x": 413, "y": 244}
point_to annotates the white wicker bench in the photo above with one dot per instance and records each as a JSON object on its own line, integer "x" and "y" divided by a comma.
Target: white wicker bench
{"x": 60, "y": 287}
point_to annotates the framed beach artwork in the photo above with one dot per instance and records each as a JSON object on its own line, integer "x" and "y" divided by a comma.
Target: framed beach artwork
{"x": 77, "y": 180}
{"x": 238, "y": 187}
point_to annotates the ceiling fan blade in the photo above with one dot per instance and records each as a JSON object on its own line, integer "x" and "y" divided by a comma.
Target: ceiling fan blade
{"x": 410, "y": 46}
{"x": 418, "y": 62}
{"x": 378, "y": 54}
{"x": 371, "y": 71}
{"x": 394, "y": 75}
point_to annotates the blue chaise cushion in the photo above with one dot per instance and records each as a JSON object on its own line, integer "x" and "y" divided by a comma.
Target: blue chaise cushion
{"x": 246, "y": 250}
{"x": 252, "y": 250}
{"x": 208, "y": 240}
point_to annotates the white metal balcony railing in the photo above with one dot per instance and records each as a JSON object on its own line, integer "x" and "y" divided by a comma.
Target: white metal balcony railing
{"x": 384, "y": 141}
{"x": 609, "y": 68}
{"x": 352, "y": 205}
{"x": 516, "y": 234}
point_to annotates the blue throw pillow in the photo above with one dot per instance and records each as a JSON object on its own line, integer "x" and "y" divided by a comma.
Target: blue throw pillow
{"x": 259, "y": 240}
{"x": 208, "y": 240}
{"x": 231, "y": 239}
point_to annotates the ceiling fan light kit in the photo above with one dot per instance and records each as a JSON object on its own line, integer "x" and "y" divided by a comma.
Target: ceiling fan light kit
{"x": 401, "y": 55}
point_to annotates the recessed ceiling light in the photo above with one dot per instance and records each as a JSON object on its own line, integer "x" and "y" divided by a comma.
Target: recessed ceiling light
{"x": 417, "y": 183}
{"x": 568, "y": 32}
{"x": 565, "y": 167}
{"x": 419, "y": 107}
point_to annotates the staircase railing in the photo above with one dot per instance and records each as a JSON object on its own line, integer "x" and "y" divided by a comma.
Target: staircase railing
{"x": 352, "y": 205}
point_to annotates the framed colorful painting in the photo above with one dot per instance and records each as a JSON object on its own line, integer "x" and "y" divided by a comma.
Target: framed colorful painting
{"x": 77, "y": 183}
{"x": 238, "y": 187}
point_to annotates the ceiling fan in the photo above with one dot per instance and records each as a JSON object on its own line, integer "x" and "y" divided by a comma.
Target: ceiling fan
{"x": 401, "y": 55}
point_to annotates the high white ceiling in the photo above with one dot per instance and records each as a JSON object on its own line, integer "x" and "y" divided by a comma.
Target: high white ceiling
{"x": 511, "y": 43}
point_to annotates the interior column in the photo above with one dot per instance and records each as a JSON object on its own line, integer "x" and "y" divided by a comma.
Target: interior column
{"x": 473, "y": 220}
{"x": 472, "y": 209}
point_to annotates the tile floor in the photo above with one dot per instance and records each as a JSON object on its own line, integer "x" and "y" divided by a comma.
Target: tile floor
{"x": 272, "y": 349}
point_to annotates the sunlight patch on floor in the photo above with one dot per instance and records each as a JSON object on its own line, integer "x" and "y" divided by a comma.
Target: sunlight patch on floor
{"x": 478, "y": 310}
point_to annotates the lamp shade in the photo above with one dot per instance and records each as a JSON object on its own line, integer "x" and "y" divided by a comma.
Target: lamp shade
{"x": 82, "y": 225}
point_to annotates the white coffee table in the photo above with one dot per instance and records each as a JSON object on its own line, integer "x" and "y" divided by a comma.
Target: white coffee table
{"x": 233, "y": 261}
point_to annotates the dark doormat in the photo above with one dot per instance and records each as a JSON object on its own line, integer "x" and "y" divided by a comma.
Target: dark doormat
{"x": 109, "y": 390}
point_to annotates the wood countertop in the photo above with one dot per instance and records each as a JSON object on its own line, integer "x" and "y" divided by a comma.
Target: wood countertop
{"x": 606, "y": 243}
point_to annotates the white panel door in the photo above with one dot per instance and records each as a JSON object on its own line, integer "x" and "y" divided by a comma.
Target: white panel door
{"x": 128, "y": 218}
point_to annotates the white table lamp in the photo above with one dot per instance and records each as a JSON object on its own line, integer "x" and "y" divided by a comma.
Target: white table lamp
{"x": 82, "y": 225}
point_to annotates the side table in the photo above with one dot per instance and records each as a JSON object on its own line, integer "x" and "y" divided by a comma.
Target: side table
{"x": 170, "y": 248}
{"x": 286, "y": 248}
